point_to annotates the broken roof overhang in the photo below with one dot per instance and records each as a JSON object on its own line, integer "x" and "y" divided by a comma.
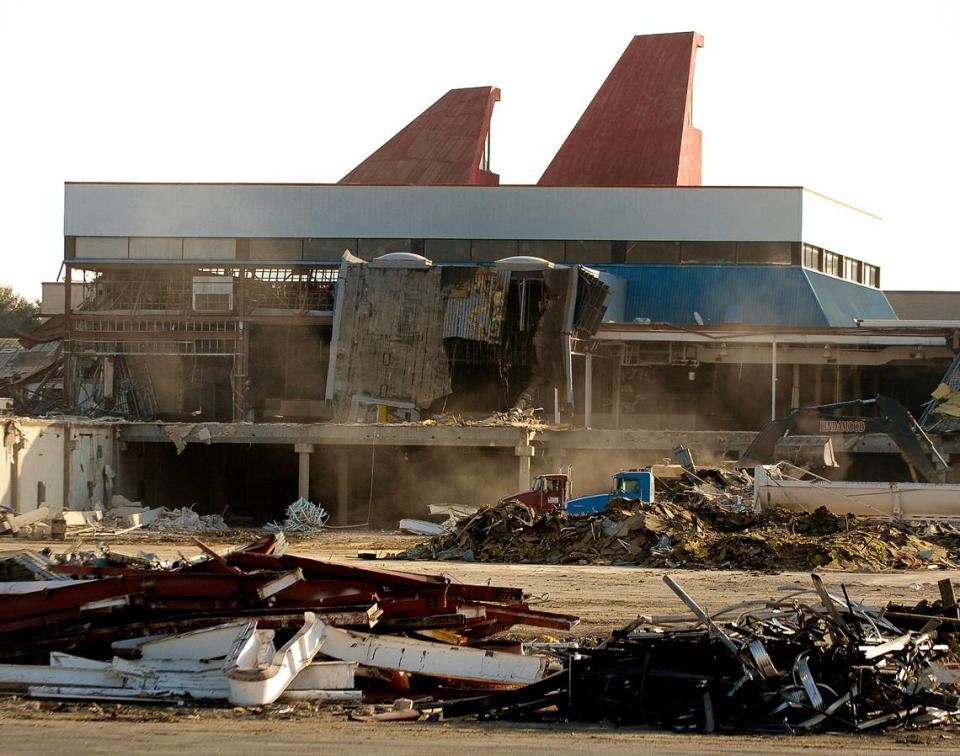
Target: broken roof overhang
{"x": 27, "y": 364}
{"x": 49, "y": 330}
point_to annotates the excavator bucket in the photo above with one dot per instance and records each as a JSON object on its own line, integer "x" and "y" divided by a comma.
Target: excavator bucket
{"x": 812, "y": 452}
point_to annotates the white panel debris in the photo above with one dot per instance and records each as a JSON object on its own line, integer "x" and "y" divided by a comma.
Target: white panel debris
{"x": 426, "y": 658}
{"x": 255, "y": 681}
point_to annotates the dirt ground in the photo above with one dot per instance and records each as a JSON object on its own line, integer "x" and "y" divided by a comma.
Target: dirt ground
{"x": 603, "y": 597}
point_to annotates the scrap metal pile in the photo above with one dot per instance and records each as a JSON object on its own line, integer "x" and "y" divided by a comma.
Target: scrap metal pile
{"x": 256, "y": 627}
{"x": 250, "y": 627}
{"x": 810, "y": 660}
{"x": 690, "y": 533}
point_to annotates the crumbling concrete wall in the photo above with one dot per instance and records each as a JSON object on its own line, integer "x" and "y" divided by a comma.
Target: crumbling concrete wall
{"x": 39, "y": 468}
{"x": 55, "y": 464}
{"x": 92, "y": 469}
{"x": 390, "y": 336}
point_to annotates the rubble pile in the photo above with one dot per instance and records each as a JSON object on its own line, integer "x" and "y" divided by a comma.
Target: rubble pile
{"x": 719, "y": 486}
{"x": 256, "y": 627}
{"x": 678, "y": 534}
{"x": 516, "y": 417}
{"x": 808, "y": 661}
{"x": 185, "y": 520}
{"x": 40, "y": 523}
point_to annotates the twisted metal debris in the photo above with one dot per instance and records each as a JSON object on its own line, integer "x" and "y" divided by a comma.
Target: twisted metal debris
{"x": 808, "y": 661}
{"x": 302, "y": 517}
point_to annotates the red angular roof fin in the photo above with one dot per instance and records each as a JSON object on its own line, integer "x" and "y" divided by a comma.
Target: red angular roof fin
{"x": 447, "y": 144}
{"x": 637, "y": 130}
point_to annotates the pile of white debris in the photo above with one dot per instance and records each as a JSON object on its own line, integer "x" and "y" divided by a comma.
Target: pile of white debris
{"x": 185, "y": 520}
{"x": 123, "y": 516}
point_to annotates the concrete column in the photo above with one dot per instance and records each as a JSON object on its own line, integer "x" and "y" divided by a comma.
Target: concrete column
{"x": 109, "y": 363}
{"x": 68, "y": 449}
{"x": 588, "y": 390}
{"x": 525, "y": 452}
{"x": 14, "y": 470}
{"x": 304, "y": 451}
{"x": 795, "y": 392}
{"x": 773, "y": 379}
{"x": 343, "y": 488}
{"x": 616, "y": 394}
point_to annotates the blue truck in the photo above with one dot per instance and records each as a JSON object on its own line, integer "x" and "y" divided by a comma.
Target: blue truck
{"x": 627, "y": 484}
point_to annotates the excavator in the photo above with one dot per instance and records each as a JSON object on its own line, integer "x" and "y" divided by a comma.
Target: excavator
{"x": 811, "y": 436}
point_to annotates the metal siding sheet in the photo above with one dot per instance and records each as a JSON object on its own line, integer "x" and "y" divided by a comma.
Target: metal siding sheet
{"x": 478, "y": 315}
{"x": 842, "y": 301}
{"x": 416, "y": 212}
{"x": 591, "y": 306}
{"x": 748, "y": 294}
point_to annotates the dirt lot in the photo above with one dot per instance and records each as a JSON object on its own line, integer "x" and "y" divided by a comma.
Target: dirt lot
{"x": 604, "y": 597}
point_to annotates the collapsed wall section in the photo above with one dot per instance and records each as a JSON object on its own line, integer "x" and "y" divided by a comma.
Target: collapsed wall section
{"x": 390, "y": 337}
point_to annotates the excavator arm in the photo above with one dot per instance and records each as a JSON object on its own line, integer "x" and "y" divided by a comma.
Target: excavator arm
{"x": 892, "y": 419}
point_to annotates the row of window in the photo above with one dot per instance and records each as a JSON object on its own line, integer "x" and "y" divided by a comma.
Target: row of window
{"x": 478, "y": 250}
{"x": 840, "y": 266}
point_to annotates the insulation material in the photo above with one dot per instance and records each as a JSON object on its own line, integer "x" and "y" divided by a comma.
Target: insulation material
{"x": 943, "y": 414}
{"x": 390, "y": 336}
{"x": 950, "y": 404}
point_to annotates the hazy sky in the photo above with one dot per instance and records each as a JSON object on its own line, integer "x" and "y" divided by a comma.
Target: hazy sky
{"x": 856, "y": 100}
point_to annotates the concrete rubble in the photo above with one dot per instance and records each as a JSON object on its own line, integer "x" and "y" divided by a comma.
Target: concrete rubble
{"x": 692, "y": 531}
{"x": 122, "y": 518}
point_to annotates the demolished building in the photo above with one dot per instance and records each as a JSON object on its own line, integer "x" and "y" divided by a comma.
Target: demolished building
{"x": 350, "y": 342}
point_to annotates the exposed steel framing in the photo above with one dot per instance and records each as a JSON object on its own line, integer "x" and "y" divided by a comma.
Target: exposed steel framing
{"x": 131, "y": 309}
